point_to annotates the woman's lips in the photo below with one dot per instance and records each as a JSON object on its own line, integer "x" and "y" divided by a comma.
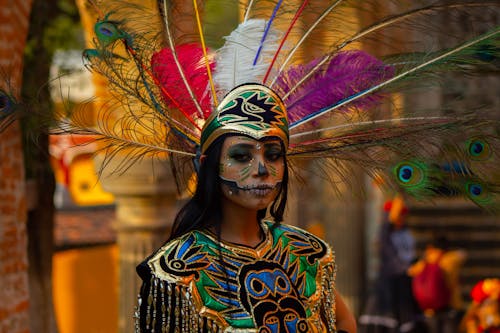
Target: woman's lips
{"x": 259, "y": 190}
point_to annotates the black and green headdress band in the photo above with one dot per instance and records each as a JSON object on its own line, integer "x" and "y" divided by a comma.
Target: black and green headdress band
{"x": 251, "y": 109}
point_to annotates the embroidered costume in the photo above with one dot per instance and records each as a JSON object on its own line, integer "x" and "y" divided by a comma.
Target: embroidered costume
{"x": 192, "y": 284}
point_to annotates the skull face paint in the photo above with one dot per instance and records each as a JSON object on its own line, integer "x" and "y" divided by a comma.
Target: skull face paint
{"x": 251, "y": 171}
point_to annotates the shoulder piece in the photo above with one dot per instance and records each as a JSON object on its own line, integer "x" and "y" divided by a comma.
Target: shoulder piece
{"x": 302, "y": 243}
{"x": 181, "y": 259}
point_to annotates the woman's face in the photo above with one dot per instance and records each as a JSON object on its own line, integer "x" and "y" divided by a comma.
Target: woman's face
{"x": 251, "y": 171}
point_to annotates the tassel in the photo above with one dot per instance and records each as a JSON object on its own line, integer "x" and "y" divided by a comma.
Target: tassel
{"x": 177, "y": 309}
{"x": 328, "y": 285}
{"x": 169, "y": 302}
{"x": 163, "y": 307}
{"x": 155, "y": 297}
{"x": 150, "y": 301}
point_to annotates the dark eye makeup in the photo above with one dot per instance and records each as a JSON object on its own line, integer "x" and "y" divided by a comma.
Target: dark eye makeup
{"x": 245, "y": 152}
{"x": 240, "y": 153}
{"x": 273, "y": 152}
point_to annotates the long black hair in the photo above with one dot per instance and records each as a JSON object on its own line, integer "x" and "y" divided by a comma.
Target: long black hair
{"x": 204, "y": 209}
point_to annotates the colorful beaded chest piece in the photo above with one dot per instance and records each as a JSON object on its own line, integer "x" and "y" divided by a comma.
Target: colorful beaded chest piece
{"x": 283, "y": 284}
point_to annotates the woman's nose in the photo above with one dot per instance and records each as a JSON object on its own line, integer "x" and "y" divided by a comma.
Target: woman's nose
{"x": 262, "y": 169}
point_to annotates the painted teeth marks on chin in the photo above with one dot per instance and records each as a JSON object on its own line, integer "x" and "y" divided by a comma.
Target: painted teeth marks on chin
{"x": 259, "y": 192}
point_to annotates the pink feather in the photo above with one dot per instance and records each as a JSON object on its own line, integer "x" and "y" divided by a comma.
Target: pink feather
{"x": 192, "y": 62}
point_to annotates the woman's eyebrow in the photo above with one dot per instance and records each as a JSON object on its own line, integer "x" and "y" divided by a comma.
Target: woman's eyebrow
{"x": 242, "y": 145}
{"x": 272, "y": 144}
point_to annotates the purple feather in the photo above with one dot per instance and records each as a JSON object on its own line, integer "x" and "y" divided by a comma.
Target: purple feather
{"x": 348, "y": 73}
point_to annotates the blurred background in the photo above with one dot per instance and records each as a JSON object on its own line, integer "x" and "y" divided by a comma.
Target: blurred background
{"x": 70, "y": 240}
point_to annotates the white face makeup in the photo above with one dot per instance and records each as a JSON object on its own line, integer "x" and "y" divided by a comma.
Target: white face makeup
{"x": 251, "y": 171}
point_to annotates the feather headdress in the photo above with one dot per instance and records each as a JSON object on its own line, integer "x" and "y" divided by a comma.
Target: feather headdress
{"x": 344, "y": 105}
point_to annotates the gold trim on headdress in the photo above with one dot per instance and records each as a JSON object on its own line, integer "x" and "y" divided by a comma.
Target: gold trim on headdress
{"x": 251, "y": 109}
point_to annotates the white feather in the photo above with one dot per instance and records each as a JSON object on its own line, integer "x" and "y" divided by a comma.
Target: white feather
{"x": 235, "y": 58}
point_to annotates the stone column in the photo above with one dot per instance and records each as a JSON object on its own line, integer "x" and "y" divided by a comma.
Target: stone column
{"x": 145, "y": 208}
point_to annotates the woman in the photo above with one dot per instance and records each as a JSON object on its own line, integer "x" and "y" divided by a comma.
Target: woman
{"x": 227, "y": 268}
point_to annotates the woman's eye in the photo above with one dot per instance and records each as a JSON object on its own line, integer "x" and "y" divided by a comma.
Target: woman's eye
{"x": 241, "y": 157}
{"x": 273, "y": 155}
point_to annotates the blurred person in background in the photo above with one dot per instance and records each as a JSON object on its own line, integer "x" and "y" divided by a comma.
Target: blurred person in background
{"x": 483, "y": 314}
{"x": 436, "y": 285}
{"x": 391, "y": 307}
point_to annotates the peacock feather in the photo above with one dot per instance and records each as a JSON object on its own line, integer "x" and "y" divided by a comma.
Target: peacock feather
{"x": 355, "y": 78}
{"x": 10, "y": 109}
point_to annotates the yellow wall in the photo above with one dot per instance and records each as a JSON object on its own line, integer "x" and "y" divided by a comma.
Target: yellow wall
{"x": 86, "y": 290}
{"x": 84, "y": 185}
